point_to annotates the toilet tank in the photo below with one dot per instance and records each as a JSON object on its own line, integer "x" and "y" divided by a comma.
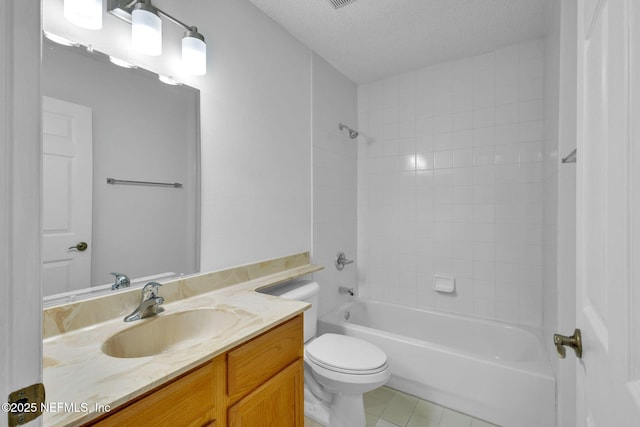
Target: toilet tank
{"x": 302, "y": 290}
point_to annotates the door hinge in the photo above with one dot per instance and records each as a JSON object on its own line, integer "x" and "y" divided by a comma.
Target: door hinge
{"x": 25, "y": 404}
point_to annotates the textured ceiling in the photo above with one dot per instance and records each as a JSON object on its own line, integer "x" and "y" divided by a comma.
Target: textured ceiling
{"x": 371, "y": 39}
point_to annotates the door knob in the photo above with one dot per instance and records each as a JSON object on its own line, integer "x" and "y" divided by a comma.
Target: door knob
{"x": 574, "y": 341}
{"x": 82, "y": 246}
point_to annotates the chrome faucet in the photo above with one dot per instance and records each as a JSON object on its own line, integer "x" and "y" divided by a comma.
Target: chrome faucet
{"x": 122, "y": 281}
{"x": 341, "y": 260}
{"x": 150, "y": 304}
{"x": 345, "y": 290}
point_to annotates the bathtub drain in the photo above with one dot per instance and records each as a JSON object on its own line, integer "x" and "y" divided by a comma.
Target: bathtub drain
{"x": 346, "y": 315}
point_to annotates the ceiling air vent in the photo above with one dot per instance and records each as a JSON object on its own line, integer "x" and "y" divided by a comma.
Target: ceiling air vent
{"x": 339, "y": 3}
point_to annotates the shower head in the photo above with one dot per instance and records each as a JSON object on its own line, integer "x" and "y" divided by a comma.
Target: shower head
{"x": 353, "y": 134}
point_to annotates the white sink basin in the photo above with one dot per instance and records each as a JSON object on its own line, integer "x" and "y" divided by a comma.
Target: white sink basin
{"x": 167, "y": 333}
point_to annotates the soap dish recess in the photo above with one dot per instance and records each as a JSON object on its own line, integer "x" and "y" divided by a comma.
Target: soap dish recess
{"x": 445, "y": 284}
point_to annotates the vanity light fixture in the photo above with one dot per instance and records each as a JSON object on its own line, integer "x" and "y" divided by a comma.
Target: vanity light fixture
{"x": 146, "y": 32}
{"x": 84, "y": 13}
{"x": 146, "y": 29}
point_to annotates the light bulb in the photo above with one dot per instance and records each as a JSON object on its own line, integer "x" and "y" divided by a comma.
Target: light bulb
{"x": 146, "y": 30}
{"x": 84, "y": 13}
{"x": 194, "y": 53}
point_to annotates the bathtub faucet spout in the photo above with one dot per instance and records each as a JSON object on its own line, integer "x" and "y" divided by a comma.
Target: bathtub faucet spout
{"x": 345, "y": 290}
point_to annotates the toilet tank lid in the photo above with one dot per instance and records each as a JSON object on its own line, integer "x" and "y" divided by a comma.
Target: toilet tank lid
{"x": 299, "y": 291}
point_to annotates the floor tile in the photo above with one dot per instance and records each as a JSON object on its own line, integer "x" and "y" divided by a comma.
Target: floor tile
{"x": 454, "y": 419}
{"x": 371, "y": 419}
{"x": 384, "y": 423}
{"x": 376, "y": 401}
{"x": 308, "y": 422}
{"x": 428, "y": 410}
{"x": 419, "y": 421}
{"x": 386, "y": 407}
{"x": 399, "y": 409}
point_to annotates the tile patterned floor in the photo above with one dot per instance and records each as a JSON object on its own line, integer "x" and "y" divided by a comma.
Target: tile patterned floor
{"x": 385, "y": 407}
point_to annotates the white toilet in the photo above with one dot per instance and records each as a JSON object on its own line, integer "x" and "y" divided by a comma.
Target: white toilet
{"x": 338, "y": 368}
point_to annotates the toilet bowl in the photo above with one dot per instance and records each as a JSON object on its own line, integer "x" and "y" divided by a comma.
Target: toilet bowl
{"x": 338, "y": 369}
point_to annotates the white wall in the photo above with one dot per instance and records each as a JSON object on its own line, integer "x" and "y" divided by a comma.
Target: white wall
{"x": 20, "y": 178}
{"x": 255, "y": 123}
{"x": 334, "y": 181}
{"x": 143, "y": 130}
{"x": 450, "y": 182}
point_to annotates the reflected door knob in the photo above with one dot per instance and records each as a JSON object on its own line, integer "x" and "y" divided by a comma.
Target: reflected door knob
{"x": 82, "y": 246}
{"x": 574, "y": 341}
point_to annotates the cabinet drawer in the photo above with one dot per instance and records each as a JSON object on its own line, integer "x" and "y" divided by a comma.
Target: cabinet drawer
{"x": 278, "y": 402}
{"x": 255, "y": 362}
{"x": 187, "y": 401}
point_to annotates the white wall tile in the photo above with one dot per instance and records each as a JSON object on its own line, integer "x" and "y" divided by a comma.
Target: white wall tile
{"x": 463, "y": 158}
{"x": 484, "y": 117}
{"x": 464, "y": 101}
{"x": 443, "y": 141}
{"x": 462, "y": 139}
{"x": 507, "y": 93}
{"x": 463, "y": 120}
{"x": 506, "y": 154}
{"x": 507, "y": 114}
{"x": 530, "y": 89}
{"x": 443, "y": 159}
{"x": 452, "y": 181}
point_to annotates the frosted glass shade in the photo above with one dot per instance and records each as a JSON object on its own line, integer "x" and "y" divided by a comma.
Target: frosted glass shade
{"x": 84, "y": 13}
{"x": 146, "y": 31}
{"x": 194, "y": 56}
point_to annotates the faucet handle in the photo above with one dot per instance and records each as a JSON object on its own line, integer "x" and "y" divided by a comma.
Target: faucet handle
{"x": 122, "y": 281}
{"x": 151, "y": 289}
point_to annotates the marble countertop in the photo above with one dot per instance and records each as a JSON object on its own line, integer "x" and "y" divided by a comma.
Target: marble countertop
{"x": 81, "y": 380}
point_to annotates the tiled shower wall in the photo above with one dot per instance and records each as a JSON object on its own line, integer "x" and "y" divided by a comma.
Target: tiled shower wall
{"x": 450, "y": 182}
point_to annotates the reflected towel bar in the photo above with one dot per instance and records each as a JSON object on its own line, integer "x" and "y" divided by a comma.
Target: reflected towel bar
{"x": 572, "y": 157}
{"x": 153, "y": 184}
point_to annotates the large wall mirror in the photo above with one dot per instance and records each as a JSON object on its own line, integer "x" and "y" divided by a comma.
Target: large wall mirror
{"x": 105, "y": 121}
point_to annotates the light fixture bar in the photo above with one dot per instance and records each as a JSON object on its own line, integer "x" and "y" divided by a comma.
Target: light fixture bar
{"x": 147, "y": 33}
{"x": 174, "y": 20}
{"x": 122, "y": 9}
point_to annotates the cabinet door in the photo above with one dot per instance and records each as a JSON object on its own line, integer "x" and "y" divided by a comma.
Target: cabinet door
{"x": 254, "y": 362}
{"x": 279, "y": 402}
{"x": 187, "y": 401}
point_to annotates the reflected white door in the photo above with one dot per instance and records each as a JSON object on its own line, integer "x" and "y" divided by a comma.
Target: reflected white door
{"x": 607, "y": 387}
{"x": 67, "y": 174}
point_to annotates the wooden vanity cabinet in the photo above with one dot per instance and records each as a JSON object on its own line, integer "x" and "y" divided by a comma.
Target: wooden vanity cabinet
{"x": 259, "y": 383}
{"x": 265, "y": 379}
{"x": 190, "y": 400}
{"x": 277, "y": 402}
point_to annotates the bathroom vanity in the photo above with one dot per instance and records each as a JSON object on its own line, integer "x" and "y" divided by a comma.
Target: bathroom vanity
{"x": 260, "y": 382}
{"x": 221, "y": 354}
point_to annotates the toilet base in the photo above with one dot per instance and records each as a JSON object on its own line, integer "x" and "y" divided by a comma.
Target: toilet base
{"x": 315, "y": 408}
{"x": 346, "y": 410}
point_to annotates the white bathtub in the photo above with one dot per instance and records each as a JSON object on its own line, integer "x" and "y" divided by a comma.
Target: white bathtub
{"x": 486, "y": 369}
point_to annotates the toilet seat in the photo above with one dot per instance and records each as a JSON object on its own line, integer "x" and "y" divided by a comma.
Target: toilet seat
{"x": 346, "y": 355}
